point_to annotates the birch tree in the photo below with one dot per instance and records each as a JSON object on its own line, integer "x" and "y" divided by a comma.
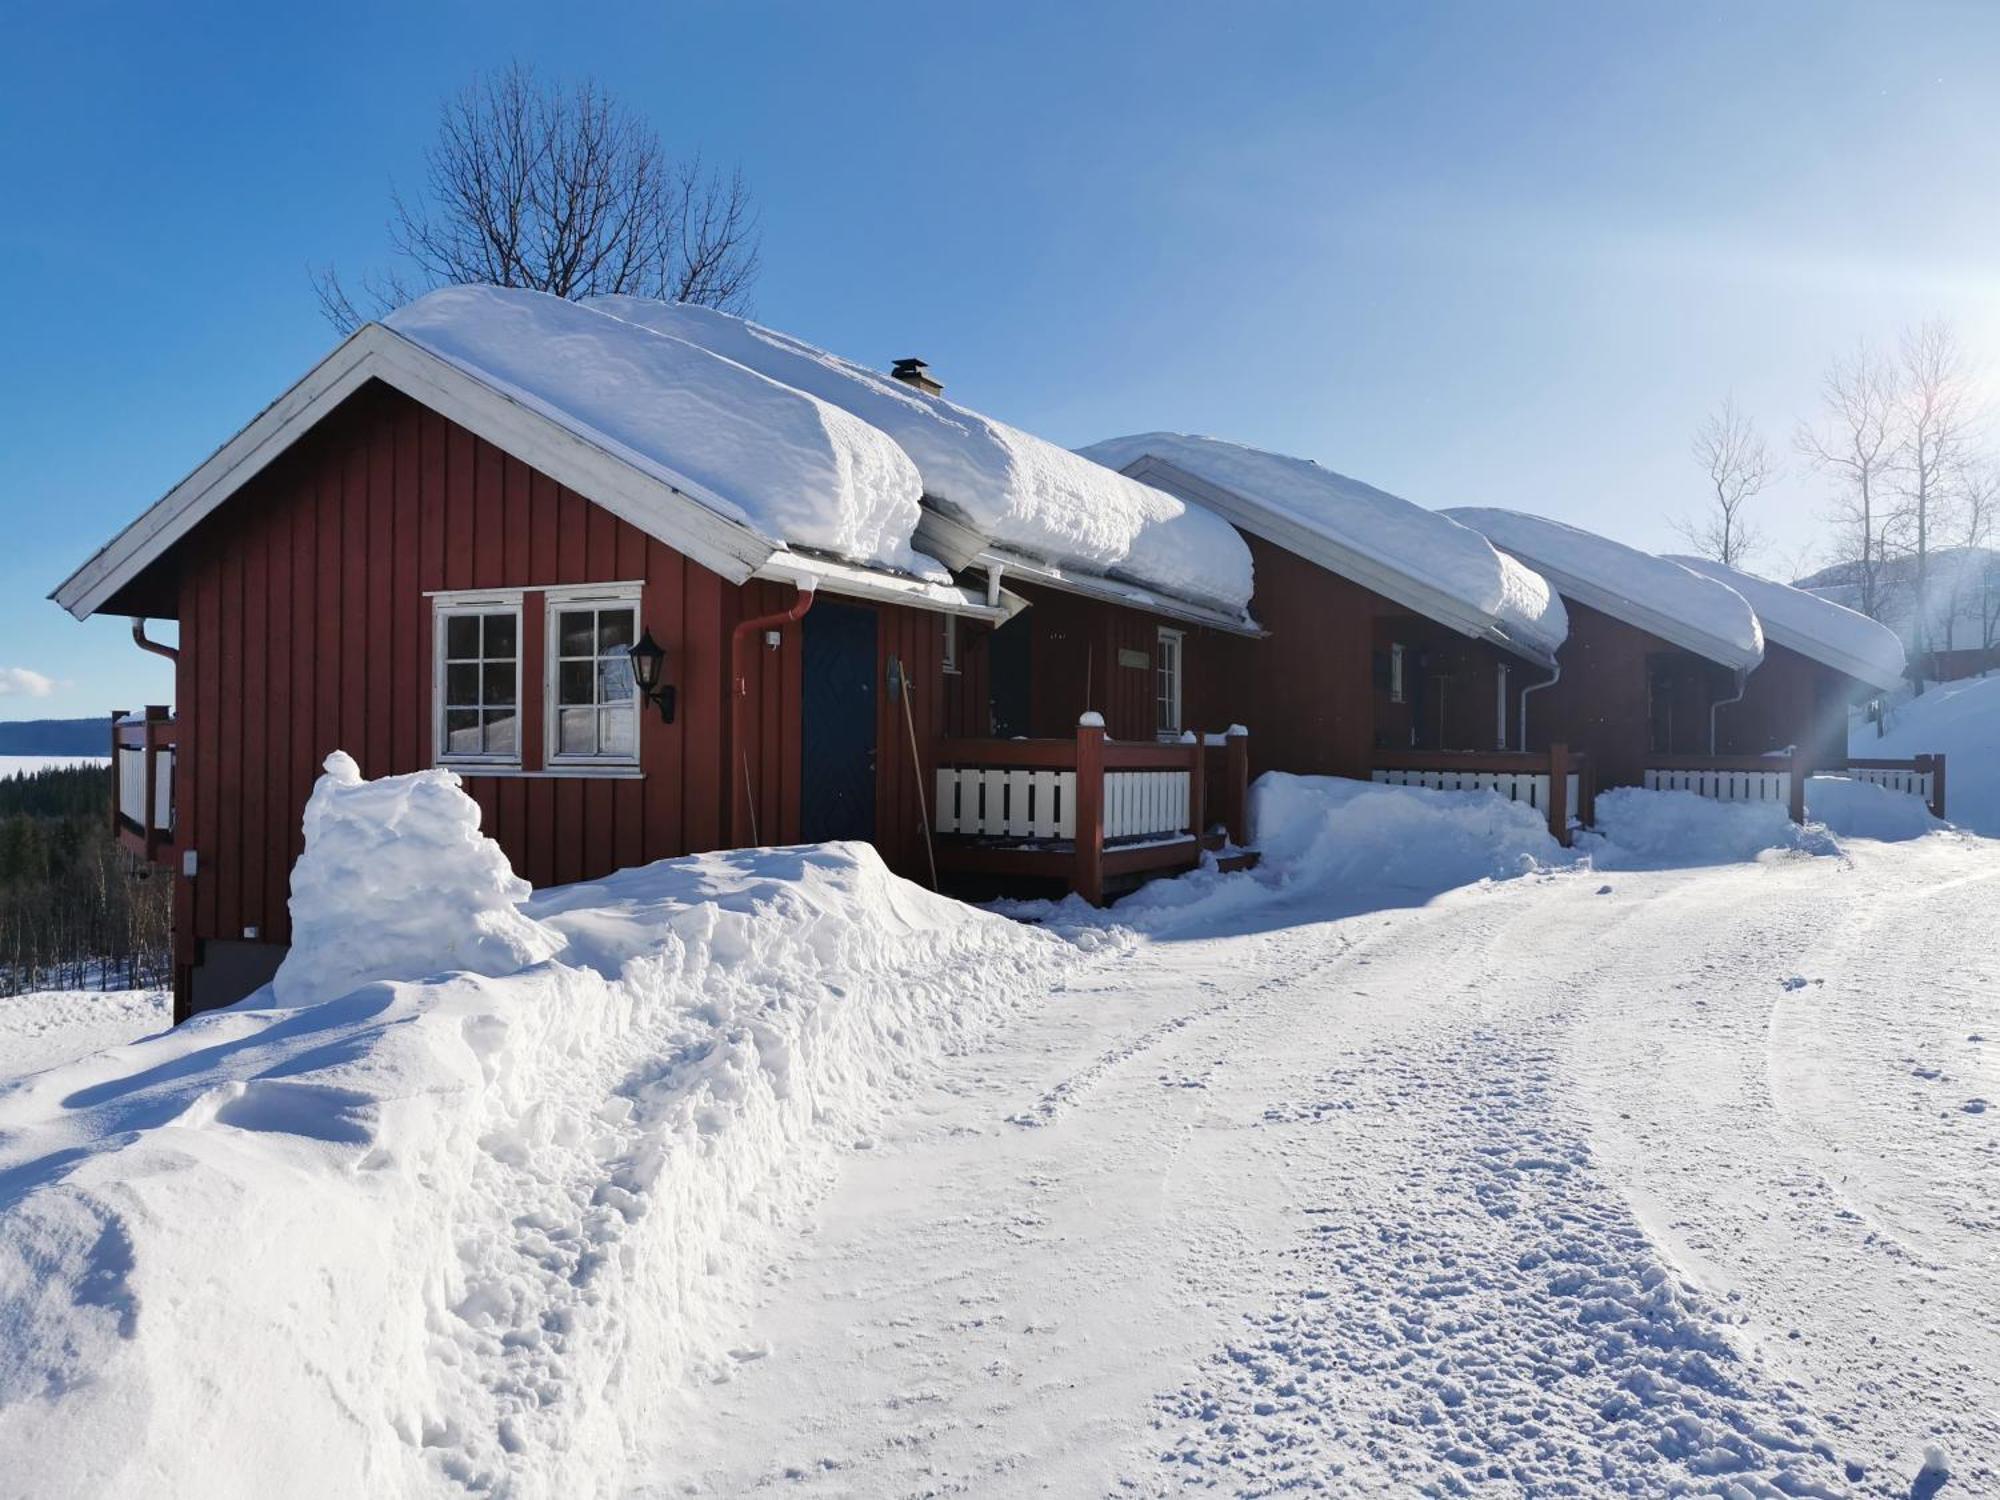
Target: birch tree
{"x": 1935, "y": 418}
{"x": 1739, "y": 467}
{"x": 1855, "y": 445}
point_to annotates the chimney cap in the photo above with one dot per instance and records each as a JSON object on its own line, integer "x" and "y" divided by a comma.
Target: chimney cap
{"x": 914, "y": 371}
{"x": 908, "y": 366}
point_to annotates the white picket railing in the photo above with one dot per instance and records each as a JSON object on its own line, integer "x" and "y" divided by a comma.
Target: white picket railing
{"x": 132, "y": 786}
{"x": 1141, "y": 804}
{"x": 1516, "y": 786}
{"x": 1725, "y": 786}
{"x": 1917, "y": 783}
{"x": 1006, "y": 804}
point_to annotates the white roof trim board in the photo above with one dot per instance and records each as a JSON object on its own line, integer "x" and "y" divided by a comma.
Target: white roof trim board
{"x": 808, "y": 571}
{"x": 1113, "y": 591}
{"x": 1521, "y": 631}
{"x": 1684, "y": 608}
{"x": 1814, "y": 626}
{"x": 679, "y": 513}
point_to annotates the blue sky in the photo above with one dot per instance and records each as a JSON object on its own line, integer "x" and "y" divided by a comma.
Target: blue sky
{"x": 1478, "y": 254}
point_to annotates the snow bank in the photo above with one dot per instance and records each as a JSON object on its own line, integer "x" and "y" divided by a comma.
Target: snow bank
{"x": 1662, "y": 597}
{"x": 46, "y": 1027}
{"x": 1638, "y": 829}
{"x": 466, "y": 1233}
{"x": 1827, "y": 632}
{"x": 1960, "y": 721}
{"x": 1025, "y": 494}
{"x": 790, "y": 466}
{"x": 1862, "y": 810}
{"x": 397, "y": 882}
{"x": 1418, "y": 544}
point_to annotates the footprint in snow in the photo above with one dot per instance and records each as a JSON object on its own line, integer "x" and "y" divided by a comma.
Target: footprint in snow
{"x": 1797, "y": 982}
{"x": 1974, "y": 1106}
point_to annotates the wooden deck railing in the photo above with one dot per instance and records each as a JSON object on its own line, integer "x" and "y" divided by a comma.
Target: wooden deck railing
{"x": 1920, "y": 775}
{"x": 1782, "y": 777}
{"x": 143, "y": 748}
{"x": 1086, "y": 809}
{"x": 1558, "y": 784}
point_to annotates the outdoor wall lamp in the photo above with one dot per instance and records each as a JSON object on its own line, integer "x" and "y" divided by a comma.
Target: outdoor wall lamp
{"x": 649, "y": 663}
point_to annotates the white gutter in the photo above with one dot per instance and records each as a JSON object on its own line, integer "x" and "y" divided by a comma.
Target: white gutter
{"x": 1742, "y": 687}
{"x": 1536, "y": 687}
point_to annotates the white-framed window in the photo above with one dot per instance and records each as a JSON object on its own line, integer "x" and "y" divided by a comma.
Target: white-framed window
{"x": 476, "y": 693}
{"x": 1500, "y": 709}
{"x": 592, "y": 696}
{"x": 1398, "y": 691}
{"x": 950, "y": 656}
{"x": 1167, "y": 683}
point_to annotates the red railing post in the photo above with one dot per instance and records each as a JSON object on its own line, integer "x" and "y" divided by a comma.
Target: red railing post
{"x": 1586, "y": 792}
{"x": 1937, "y": 783}
{"x": 117, "y": 717}
{"x": 1236, "y": 792}
{"x": 1559, "y": 792}
{"x": 1089, "y": 879}
{"x": 1197, "y": 783}
{"x": 1799, "y": 763}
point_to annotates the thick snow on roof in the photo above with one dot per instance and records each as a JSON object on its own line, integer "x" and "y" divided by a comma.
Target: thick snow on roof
{"x": 1842, "y": 638}
{"x": 1022, "y": 492}
{"x": 1416, "y": 544}
{"x": 1664, "y": 598}
{"x": 794, "y": 468}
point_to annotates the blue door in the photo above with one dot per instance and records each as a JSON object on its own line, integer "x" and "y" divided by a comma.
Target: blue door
{"x": 837, "y": 771}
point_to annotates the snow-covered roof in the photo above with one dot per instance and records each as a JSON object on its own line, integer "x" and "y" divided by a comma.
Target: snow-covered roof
{"x": 1381, "y": 541}
{"x": 1843, "y": 639}
{"x": 1663, "y": 598}
{"x": 790, "y": 466}
{"x": 1019, "y": 493}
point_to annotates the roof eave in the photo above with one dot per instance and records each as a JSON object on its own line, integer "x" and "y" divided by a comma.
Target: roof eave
{"x": 1115, "y": 591}
{"x": 1666, "y": 627}
{"x": 679, "y": 512}
{"x": 1828, "y": 655}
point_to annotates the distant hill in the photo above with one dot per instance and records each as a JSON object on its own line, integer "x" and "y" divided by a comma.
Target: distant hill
{"x": 55, "y": 736}
{"x": 1965, "y": 594}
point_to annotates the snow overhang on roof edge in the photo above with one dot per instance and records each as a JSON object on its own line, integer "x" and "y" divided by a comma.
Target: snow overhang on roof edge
{"x": 1303, "y": 541}
{"x": 1115, "y": 591}
{"x": 1668, "y": 628}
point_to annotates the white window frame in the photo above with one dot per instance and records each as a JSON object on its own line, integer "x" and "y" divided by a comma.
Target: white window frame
{"x": 1169, "y": 642}
{"x": 1500, "y": 714}
{"x": 1398, "y": 683}
{"x": 597, "y": 596}
{"x": 950, "y": 654}
{"x": 446, "y": 607}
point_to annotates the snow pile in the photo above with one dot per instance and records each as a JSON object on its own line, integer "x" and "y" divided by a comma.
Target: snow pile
{"x": 1023, "y": 493}
{"x": 1827, "y": 632}
{"x": 468, "y": 1233}
{"x": 397, "y": 882}
{"x": 1415, "y": 544}
{"x": 1640, "y": 829}
{"x": 792, "y": 467}
{"x": 1960, "y": 721}
{"x": 1658, "y": 596}
{"x": 46, "y": 1027}
{"x": 1862, "y": 810}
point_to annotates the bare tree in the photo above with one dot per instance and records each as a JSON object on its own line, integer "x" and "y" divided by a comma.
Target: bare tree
{"x": 1976, "y": 508}
{"x": 1856, "y": 446}
{"x": 1739, "y": 467}
{"x": 1936, "y": 417}
{"x": 562, "y": 190}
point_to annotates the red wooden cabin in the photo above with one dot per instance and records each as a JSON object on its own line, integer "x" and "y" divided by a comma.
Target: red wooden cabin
{"x": 401, "y": 560}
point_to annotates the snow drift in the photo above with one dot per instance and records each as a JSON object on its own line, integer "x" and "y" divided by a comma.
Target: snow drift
{"x": 1020, "y": 491}
{"x": 1960, "y": 721}
{"x": 793, "y": 468}
{"x": 1640, "y": 829}
{"x": 451, "y": 1231}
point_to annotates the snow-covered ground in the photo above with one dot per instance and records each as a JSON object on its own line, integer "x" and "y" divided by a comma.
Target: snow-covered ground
{"x": 27, "y": 765}
{"x": 1430, "y": 1160}
{"x": 46, "y": 1027}
{"x": 1961, "y": 721}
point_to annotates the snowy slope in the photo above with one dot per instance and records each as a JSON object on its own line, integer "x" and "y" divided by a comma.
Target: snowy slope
{"x": 1812, "y": 626}
{"x": 1662, "y": 597}
{"x": 792, "y": 467}
{"x": 1025, "y": 494}
{"x": 1961, "y": 721}
{"x": 46, "y": 1027}
{"x": 451, "y": 1232}
{"x": 1415, "y": 545}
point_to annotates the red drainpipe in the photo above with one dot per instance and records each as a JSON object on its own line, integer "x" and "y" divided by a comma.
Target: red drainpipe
{"x": 742, "y": 828}
{"x": 158, "y": 648}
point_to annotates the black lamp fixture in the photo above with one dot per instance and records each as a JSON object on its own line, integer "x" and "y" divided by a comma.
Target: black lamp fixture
{"x": 649, "y": 664}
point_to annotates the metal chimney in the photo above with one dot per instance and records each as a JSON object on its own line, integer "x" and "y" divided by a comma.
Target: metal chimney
{"x": 916, "y": 373}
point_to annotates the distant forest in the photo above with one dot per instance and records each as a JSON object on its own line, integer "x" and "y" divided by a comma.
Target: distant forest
{"x": 76, "y": 910}
{"x": 56, "y": 737}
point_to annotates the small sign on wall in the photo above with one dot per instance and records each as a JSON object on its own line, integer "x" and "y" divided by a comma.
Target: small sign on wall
{"x": 1127, "y": 657}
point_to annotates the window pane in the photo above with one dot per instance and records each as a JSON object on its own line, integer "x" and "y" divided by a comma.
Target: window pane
{"x": 614, "y": 731}
{"x": 461, "y": 637}
{"x": 577, "y": 731}
{"x": 461, "y": 684}
{"x": 461, "y": 731}
{"x": 498, "y": 677}
{"x": 614, "y": 679}
{"x": 500, "y": 731}
{"x": 576, "y": 630}
{"x": 500, "y": 635}
{"x": 614, "y": 630}
{"x": 573, "y": 682}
